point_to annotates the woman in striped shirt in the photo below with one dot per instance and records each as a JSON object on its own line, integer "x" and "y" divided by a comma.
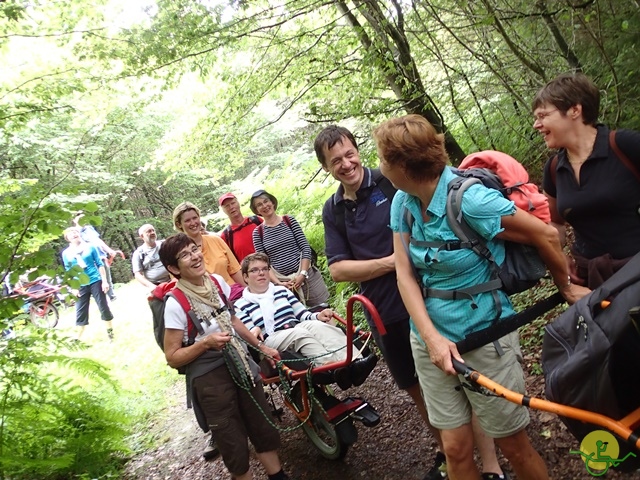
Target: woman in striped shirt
{"x": 282, "y": 239}
{"x": 274, "y": 315}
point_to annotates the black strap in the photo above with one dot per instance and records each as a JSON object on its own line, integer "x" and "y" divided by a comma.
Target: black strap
{"x": 508, "y": 325}
{"x": 621, "y": 155}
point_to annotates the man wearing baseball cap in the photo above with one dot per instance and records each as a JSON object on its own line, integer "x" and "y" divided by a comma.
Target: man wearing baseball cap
{"x": 238, "y": 235}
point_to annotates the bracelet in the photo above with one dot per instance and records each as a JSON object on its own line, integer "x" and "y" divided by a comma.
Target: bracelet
{"x": 566, "y": 285}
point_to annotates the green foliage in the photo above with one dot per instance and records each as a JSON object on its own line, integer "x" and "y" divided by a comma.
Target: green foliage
{"x": 531, "y": 335}
{"x": 54, "y": 422}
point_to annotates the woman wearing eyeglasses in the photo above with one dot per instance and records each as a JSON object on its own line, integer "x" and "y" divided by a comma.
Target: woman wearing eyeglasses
{"x": 276, "y": 317}
{"x": 282, "y": 239}
{"x": 220, "y": 404}
{"x": 593, "y": 182}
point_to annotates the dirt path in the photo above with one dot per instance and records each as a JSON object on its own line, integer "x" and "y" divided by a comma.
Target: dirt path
{"x": 399, "y": 448}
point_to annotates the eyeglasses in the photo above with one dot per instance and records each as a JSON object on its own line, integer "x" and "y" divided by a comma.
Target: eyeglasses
{"x": 539, "y": 117}
{"x": 259, "y": 203}
{"x": 259, "y": 270}
{"x": 193, "y": 251}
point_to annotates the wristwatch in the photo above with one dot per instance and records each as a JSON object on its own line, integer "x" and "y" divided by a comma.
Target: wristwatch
{"x": 304, "y": 273}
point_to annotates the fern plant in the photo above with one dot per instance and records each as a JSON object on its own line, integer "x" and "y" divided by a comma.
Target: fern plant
{"x": 54, "y": 420}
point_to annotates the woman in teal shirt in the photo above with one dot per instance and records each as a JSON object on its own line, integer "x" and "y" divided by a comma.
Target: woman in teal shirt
{"x": 87, "y": 257}
{"x": 413, "y": 158}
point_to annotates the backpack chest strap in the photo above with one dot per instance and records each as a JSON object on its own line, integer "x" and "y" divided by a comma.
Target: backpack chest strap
{"x": 462, "y": 293}
{"x": 450, "y": 245}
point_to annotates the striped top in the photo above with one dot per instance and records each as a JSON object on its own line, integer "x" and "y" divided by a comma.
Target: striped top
{"x": 285, "y": 246}
{"x": 288, "y": 308}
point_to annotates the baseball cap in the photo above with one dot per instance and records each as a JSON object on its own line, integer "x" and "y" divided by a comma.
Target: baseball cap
{"x": 224, "y": 197}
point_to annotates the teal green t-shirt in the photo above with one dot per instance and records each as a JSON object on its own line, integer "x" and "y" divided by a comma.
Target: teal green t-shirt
{"x": 450, "y": 270}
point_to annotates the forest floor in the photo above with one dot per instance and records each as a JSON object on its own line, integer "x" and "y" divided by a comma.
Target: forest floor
{"x": 399, "y": 448}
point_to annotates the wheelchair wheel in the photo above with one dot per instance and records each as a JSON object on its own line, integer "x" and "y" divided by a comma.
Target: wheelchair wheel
{"x": 324, "y": 436}
{"x": 43, "y": 314}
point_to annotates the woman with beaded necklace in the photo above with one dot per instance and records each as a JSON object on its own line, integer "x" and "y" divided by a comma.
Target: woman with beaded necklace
{"x": 227, "y": 396}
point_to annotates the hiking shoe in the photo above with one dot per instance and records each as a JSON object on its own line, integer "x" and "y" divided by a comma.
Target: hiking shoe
{"x": 342, "y": 376}
{"x": 439, "y": 469}
{"x": 211, "y": 450}
{"x": 361, "y": 368}
{"x": 495, "y": 476}
{"x": 110, "y": 334}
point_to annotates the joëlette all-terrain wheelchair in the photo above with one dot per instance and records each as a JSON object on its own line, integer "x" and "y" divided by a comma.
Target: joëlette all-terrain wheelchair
{"x": 326, "y": 419}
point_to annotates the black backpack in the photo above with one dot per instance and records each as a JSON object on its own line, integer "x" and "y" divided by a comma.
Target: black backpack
{"x": 591, "y": 353}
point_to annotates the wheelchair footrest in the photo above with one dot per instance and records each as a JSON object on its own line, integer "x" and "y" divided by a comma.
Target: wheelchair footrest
{"x": 367, "y": 415}
{"x": 356, "y": 408}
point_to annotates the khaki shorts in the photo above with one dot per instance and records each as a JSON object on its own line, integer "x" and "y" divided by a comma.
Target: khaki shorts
{"x": 450, "y": 408}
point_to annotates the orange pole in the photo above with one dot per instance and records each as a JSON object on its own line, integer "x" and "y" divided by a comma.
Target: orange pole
{"x": 618, "y": 427}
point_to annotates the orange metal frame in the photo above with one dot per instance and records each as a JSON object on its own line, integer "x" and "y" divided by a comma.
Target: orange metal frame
{"x": 623, "y": 428}
{"x": 301, "y": 375}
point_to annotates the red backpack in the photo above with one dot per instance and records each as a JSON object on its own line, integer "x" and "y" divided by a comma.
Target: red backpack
{"x": 157, "y": 302}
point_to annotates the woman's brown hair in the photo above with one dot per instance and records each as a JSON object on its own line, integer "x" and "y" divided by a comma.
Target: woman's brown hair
{"x": 412, "y": 144}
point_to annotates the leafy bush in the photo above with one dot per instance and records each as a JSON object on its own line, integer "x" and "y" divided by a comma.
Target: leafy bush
{"x": 55, "y": 421}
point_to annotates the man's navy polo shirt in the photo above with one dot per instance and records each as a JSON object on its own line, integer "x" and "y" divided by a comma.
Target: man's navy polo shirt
{"x": 368, "y": 236}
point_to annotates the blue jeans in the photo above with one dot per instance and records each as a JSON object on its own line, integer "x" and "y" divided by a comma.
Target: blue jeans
{"x": 82, "y": 304}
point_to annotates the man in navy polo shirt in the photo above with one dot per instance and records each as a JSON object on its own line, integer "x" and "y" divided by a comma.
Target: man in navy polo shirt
{"x": 359, "y": 248}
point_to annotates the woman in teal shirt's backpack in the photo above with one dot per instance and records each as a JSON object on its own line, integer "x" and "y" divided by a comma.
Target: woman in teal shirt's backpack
{"x": 413, "y": 158}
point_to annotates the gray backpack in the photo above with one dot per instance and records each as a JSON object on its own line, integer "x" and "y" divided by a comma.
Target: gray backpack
{"x": 591, "y": 354}
{"x": 522, "y": 268}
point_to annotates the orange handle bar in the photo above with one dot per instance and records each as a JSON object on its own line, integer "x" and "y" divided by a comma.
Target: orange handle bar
{"x": 623, "y": 428}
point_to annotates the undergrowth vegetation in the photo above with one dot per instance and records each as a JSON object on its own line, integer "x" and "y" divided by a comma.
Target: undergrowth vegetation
{"x": 72, "y": 409}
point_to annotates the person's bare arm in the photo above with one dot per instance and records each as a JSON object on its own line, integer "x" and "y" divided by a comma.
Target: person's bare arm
{"x": 525, "y": 228}
{"x": 242, "y": 330}
{"x": 103, "y": 276}
{"x": 237, "y": 277}
{"x": 143, "y": 280}
{"x": 440, "y": 348}
{"x": 556, "y": 220}
{"x": 361, "y": 270}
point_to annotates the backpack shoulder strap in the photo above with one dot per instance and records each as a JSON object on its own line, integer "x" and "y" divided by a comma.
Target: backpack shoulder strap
{"x": 255, "y": 219}
{"x": 194, "y": 325}
{"x": 287, "y": 220}
{"x": 260, "y": 229}
{"x": 338, "y": 215}
{"x": 469, "y": 238}
{"x": 223, "y": 297}
{"x": 620, "y": 154}
{"x": 383, "y": 184}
